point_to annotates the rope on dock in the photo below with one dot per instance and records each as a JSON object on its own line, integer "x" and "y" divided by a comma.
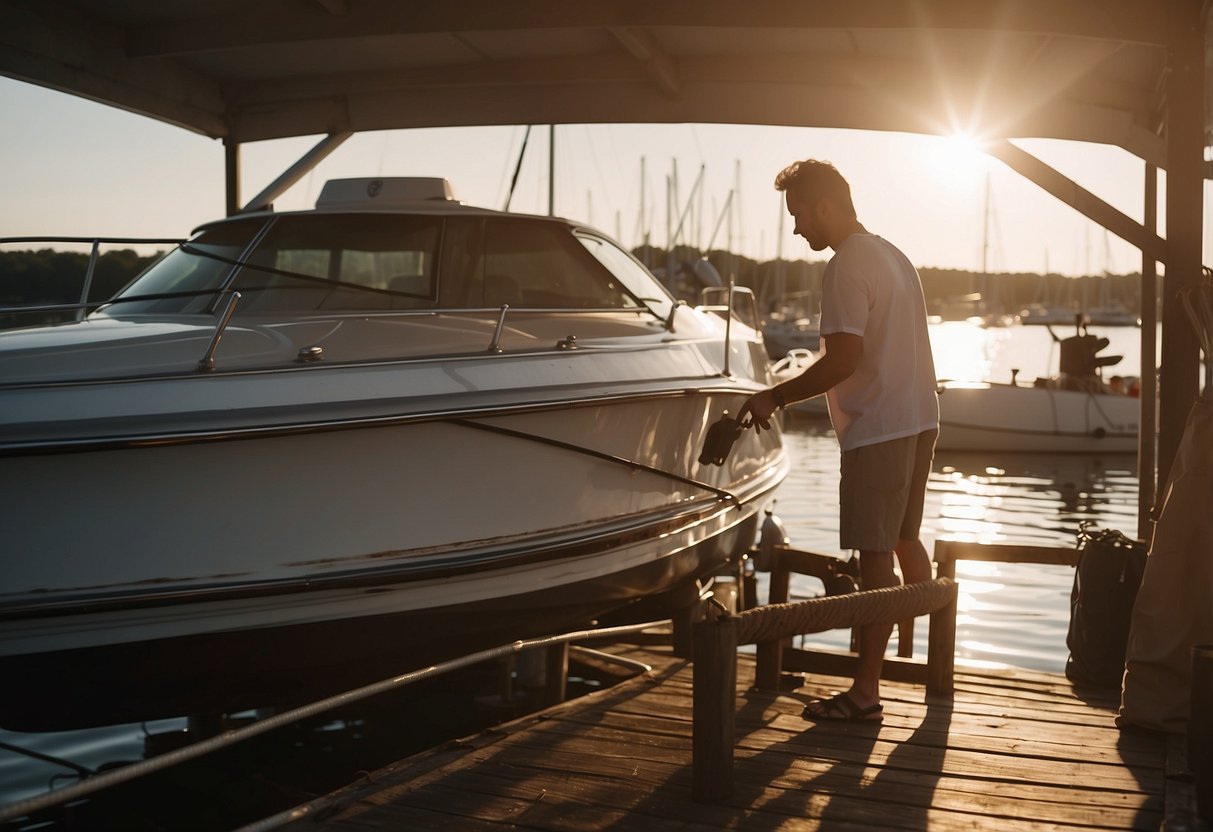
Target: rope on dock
{"x": 816, "y": 615}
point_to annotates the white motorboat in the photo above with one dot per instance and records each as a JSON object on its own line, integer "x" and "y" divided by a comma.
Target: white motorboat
{"x": 306, "y": 450}
{"x": 784, "y": 335}
{"x": 1072, "y": 413}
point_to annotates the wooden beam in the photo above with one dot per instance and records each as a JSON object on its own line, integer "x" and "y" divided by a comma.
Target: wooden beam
{"x": 1078, "y": 198}
{"x": 573, "y": 97}
{"x": 264, "y": 25}
{"x": 659, "y": 66}
{"x": 53, "y": 46}
{"x": 1179, "y": 373}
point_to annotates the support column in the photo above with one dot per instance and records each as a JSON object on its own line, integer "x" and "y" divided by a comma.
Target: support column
{"x": 1148, "y": 429}
{"x": 1180, "y": 368}
{"x": 231, "y": 177}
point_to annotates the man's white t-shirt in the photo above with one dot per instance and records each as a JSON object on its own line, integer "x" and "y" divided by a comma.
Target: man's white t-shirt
{"x": 872, "y": 290}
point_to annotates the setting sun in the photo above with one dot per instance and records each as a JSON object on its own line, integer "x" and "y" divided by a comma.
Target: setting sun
{"x": 957, "y": 161}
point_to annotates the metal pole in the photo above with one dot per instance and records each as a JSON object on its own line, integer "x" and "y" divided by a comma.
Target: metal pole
{"x": 552, "y": 170}
{"x": 1148, "y": 425}
{"x": 296, "y": 171}
{"x": 231, "y": 177}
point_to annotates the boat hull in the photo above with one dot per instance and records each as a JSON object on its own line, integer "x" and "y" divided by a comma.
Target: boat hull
{"x": 1004, "y": 417}
{"x": 280, "y": 565}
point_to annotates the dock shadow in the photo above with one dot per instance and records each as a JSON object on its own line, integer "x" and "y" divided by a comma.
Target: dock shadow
{"x": 908, "y": 776}
{"x": 860, "y": 772}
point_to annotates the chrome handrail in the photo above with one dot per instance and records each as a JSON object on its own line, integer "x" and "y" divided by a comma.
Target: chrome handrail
{"x": 208, "y": 360}
{"x": 133, "y": 771}
{"x": 730, "y": 290}
{"x": 495, "y": 344}
{"x": 90, "y": 269}
{"x": 88, "y": 278}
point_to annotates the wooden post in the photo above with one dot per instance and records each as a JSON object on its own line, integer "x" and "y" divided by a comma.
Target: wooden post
{"x": 231, "y": 177}
{"x": 683, "y": 623}
{"x": 905, "y": 638}
{"x": 768, "y": 657}
{"x": 555, "y": 673}
{"x": 941, "y": 646}
{"x": 1179, "y": 373}
{"x": 1200, "y": 729}
{"x": 713, "y": 710}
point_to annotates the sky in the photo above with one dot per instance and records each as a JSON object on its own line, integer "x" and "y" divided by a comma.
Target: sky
{"x": 72, "y": 167}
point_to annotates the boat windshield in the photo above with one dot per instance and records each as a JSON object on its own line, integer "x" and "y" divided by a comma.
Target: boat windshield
{"x": 629, "y": 272}
{"x": 353, "y": 262}
{"x": 345, "y": 262}
{"x": 186, "y": 280}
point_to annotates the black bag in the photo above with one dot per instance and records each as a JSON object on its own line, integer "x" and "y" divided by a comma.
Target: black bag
{"x": 1106, "y": 580}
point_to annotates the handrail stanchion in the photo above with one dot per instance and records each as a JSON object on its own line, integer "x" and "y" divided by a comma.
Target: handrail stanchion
{"x": 495, "y": 346}
{"x": 728, "y": 332}
{"x": 208, "y": 360}
{"x": 88, "y": 280}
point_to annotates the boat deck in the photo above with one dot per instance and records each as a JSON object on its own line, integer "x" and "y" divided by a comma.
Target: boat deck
{"x": 1014, "y": 750}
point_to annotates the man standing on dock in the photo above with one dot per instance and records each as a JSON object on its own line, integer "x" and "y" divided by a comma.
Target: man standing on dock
{"x": 878, "y": 376}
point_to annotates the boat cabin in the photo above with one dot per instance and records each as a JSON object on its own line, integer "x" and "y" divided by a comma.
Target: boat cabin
{"x": 392, "y": 244}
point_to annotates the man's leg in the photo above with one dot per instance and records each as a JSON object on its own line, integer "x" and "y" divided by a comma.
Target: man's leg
{"x": 914, "y": 561}
{"x": 874, "y": 491}
{"x": 911, "y": 554}
{"x": 875, "y": 572}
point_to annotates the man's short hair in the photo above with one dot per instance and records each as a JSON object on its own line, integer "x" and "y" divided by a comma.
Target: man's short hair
{"x": 819, "y": 179}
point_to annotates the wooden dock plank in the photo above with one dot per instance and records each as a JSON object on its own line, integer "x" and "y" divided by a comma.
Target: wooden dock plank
{"x": 1013, "y": 751}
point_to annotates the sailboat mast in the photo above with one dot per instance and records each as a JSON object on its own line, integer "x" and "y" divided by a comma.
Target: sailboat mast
{"x": 551, "y": 170}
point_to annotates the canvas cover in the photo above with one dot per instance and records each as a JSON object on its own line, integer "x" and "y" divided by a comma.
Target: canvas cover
{"x": 1174, "y": 609}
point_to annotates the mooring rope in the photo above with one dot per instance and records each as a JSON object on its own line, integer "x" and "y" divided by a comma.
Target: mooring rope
{"x": 816, "y": 615}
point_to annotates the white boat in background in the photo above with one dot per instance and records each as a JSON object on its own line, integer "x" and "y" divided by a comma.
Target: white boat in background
{"x": 1072, "y": 413}
{"x": 782, "y": 336}
{"x": 307, "y": 450}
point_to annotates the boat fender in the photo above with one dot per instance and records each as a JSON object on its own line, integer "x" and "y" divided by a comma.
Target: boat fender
{"x": 771, "y": 534}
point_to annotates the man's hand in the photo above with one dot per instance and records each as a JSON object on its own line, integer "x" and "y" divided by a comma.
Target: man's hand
{"x": 759, "y": 407}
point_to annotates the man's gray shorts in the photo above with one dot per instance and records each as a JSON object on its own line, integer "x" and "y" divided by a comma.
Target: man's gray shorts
{"x": 882, "y": 490}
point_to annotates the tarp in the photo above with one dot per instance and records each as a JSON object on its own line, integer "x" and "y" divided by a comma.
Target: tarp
{"x": 1174, "y": 608}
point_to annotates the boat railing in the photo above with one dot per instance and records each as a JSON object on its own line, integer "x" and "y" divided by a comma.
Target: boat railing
{"x": 115, "y": 777}
{"x": 90, "y": 270}
{"x": 728, "y": 308}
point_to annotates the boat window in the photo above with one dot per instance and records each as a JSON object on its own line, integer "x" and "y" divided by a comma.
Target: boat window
{"x": 629, "y": 272}
{"x": 349, "y": 262}
{"x": 191, "y": 273}
{"x": 538, "y": 264}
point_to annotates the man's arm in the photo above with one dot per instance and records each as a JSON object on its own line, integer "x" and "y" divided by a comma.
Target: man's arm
{"x": 839, "y": 361}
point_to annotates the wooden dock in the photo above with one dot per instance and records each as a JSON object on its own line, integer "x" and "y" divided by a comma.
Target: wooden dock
{"x": 1012, "y": 750}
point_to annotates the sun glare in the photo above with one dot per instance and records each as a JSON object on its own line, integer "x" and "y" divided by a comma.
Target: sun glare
{"x": 958, "y": 161}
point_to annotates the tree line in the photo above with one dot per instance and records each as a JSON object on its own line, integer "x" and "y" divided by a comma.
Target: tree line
{"x": 47, "y": 277}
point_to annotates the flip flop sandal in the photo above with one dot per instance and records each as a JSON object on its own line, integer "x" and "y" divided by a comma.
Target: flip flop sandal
{"x": 841, "y": 708}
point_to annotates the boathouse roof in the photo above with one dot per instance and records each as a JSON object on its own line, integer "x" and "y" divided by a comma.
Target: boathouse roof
{"x": 1090, "y": 70}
